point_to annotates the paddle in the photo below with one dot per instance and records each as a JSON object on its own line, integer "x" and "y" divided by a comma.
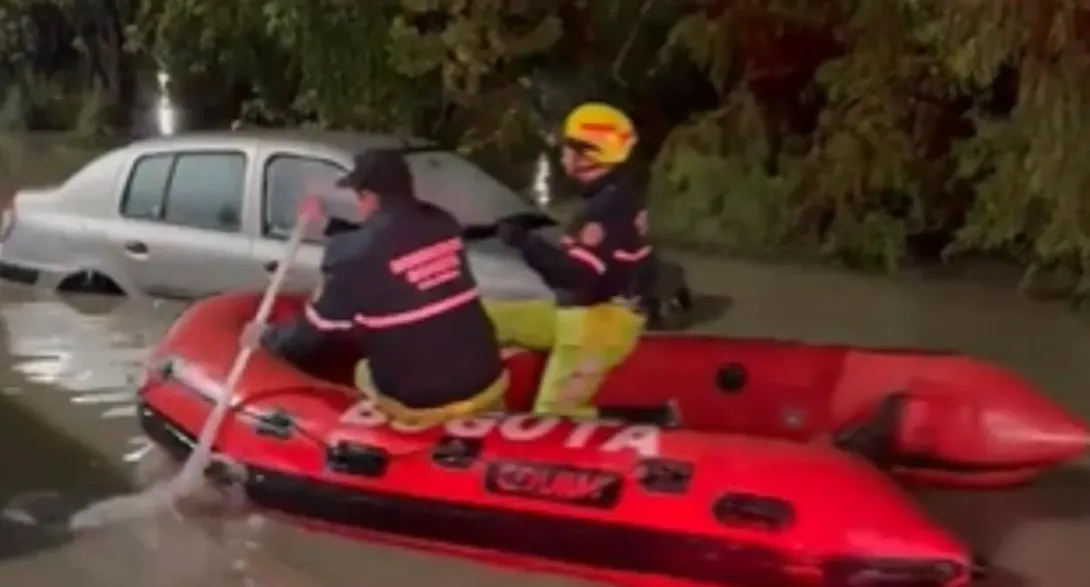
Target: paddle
{"x": 163, "y": 494}
{"x": 199, "y": 459}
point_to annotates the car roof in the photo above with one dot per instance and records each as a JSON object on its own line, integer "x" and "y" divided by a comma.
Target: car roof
{"x": 351, "y": 142}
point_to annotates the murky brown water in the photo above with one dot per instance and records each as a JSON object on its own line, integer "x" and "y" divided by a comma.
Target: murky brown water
{"x": 65, "y": 369}
{"x": 67, "y": 363}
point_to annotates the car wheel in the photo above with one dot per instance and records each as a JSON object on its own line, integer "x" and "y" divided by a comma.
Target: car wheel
{"x": 88, "y": 281}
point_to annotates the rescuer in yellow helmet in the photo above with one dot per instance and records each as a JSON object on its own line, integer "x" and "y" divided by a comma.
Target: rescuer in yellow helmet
{"x": 594, "y": 322}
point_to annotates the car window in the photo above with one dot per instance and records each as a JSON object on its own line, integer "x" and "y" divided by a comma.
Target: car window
{"x": 287, "y": 179}
{"x": 144, "y": 193}
{"x": 206, "y": 191}
{"x": 457, "y": 185}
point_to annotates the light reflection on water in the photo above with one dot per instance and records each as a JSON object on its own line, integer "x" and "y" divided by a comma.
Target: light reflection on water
{"x": 81, "y": 351}
{"x": 74, "y": 348}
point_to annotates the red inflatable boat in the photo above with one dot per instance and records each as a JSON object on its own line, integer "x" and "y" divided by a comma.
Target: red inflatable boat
{"x": 741, "y": 493}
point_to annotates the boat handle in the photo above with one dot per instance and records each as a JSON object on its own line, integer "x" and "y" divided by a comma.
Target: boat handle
{"x": 452, "y": 452}
{"x": 753, "y": 511}
{"x": 362, "y": 460}
{"x": 665, "y": 475}
{"x": 277, "y": 424}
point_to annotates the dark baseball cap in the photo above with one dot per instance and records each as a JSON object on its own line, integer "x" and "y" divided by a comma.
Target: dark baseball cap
{"x": 383, "y": 171}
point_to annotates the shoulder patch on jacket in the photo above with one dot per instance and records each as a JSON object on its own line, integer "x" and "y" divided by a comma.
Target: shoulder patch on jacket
{"x": 642, "y": 225}
{"x": 592, "y": 234}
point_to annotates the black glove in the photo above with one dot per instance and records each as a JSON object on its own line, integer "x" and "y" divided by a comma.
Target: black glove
{"x": 512, "y": 233}
{"x": 337, "y": 225}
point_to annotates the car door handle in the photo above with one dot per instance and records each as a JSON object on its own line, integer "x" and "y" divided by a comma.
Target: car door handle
{"x": 136, "y": 247}
{"x": 270, "y": 266}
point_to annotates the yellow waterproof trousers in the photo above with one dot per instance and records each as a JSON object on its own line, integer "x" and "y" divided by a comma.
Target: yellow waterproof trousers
{"x": 584, "y": 344}
{"x": 488, "y": 400}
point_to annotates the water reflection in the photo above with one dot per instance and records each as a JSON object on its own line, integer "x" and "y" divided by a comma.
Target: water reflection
{"x": 1034, "y": 533}
{"x": 76, "y": 358}
{"x": 46, "y": 479}
{"x": 87, "y": 347}
{"x": 57, "y": 351}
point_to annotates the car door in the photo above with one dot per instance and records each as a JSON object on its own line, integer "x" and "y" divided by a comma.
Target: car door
{"x": 183, "y": 231}
{"x": 285, "y": 178}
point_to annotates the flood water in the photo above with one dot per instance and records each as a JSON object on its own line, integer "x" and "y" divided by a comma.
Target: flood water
{"x": 67, "y": 422}
{"x": 65, "y": 373}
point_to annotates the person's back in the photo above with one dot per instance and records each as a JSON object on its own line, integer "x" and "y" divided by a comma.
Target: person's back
{"x": 400, "y": 285}
{"x": 424, "y": 331}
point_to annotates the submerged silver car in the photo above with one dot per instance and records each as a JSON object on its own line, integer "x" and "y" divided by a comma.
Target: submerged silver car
{"x": 197, "y": 214}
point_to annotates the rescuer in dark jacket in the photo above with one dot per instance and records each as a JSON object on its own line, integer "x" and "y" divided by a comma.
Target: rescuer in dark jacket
{"x": 594, "y": 324}
{"x": 400, "y": 286}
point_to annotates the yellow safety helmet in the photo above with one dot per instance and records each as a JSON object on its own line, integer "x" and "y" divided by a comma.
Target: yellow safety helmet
{"x": 603, "y": 133}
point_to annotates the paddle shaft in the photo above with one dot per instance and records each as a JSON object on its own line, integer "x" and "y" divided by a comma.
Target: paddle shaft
{"x": 198, "y": 459}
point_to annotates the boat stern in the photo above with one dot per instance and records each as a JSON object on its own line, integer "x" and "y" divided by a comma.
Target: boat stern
{"x": 883, "y": 537}
{"x": 958, "y": 421}
{"x": 846, "y": 523}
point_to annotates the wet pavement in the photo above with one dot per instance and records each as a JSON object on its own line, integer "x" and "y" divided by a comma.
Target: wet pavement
{"x": 66, "y": 365}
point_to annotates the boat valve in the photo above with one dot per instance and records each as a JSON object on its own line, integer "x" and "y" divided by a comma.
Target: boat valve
{"x": 163, "y": 368}
{"x": 277, "y": 424}
{"x": 452, "y": 452}
{"x": 665, "y": 475}
{"x": 731, "y": 378}
{"x": 350, "y": 458}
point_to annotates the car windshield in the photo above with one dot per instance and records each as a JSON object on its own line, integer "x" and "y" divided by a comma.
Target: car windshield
{"x": 473, "y": 196}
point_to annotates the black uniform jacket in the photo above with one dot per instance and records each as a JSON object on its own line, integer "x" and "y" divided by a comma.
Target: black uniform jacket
{"x": 400, "y": 286}
{"x": 604, "y": 247}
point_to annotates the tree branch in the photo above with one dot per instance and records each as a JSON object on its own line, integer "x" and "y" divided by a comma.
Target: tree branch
{"x": 630, "y": 41}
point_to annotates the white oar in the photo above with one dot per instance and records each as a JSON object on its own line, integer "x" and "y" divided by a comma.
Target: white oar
{"x": 199, "y": 459}
{"x": 164, "y": 494}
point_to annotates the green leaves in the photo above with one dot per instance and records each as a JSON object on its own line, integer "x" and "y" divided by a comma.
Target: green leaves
{"x": 1030, "y": 171}
{"x": 706, "y": 42}
{"x": 898, "y": 130}
{"x": 870, "y": 174}
{"x": 711, "y": 190}
{"x": 472, "y": 43}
